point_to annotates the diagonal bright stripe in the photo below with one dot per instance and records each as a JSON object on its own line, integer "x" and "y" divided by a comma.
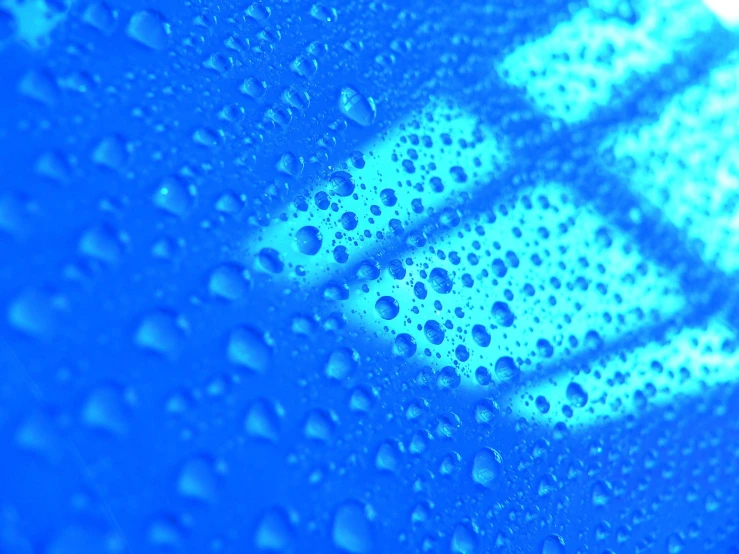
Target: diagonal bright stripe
{"x": 579, "y": 65}
{"x": 686, "y": 365}
{"x": 423, "y": 164}
{"x": 568, "y": 280}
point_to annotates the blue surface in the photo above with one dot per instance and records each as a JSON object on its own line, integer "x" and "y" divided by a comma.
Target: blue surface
{"x": 363, "y": 277}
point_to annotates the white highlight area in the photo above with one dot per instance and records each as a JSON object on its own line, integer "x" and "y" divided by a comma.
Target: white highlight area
{"x": 726, "y": 10}
{"x": 582, "y": 62}
{"x": 426, "y": 162}
{"x": 536, "y": 278}
{"x": 686, "y": 365}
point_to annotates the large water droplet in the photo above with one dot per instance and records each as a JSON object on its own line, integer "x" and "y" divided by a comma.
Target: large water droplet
{"x": 309, "y": 240}
{"x": 343, "y": 362}
{"x": 108, "y": 408}
{"x": 464, "y": 539}
{"x": 553, "y": 544}
{"x": 161, "y": 331}
{"x": 149, "y": 28}
{"x": 357, "y": 107}
{"x": 387, "y": 307}
{"x": 275, "y": 532}
{"x": 247, "y": 348}
{"x": 486, "y": 467}
{"x": 440, "y": 280}
{"x": 174, "y": 196}
{"x": 34, "y": 312}
{"x": 502, "y": 314}
{"x": 263, "y": 420}
{"x": 506, "y": 369}
{"x": 198, "y": 479}
{"x": 342, "y": 183}
{"x": 229, "y": 282}
{"x": 351, "y": 530}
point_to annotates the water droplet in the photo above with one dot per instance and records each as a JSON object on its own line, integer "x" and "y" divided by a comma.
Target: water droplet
{"x": 275, "y": 531}
{"x": 506, "y": 369}
{"x": 387, "y": 457}
{"x": 174, "y": 196}
{"x": 309, "y": 240}
{"x": 161, "y": 331}
{"x": 601, "y": 493}
{"x": 368, "y": 270}
{"x": 486, "y": 411}
{"x": 343, "y": 362}
{"x": 198, "y": 479}
{"x": 482, "y": 376}
{"x": 434, "y": 332}
{"x": 342, "y": 183}
{"x": 166, "y": 533}
{"x": 247, "y": 348}
{"x": 356, "y": 107}
{"x": 263, "y": 420}
{"x": 486, "y": 467}
{"x": 149, "y": 28}
{"x": 39, "y": 85}
{"x": 544, "y": 348}
{"x": 349, "y": 221}
{"x": 405, "y": 345}
{"x": 387, "y": 307}
{"x": 206, "y": 137}
{"x": 464, "y": 539}
{"x": 481, "y": 336}
{"x": 34, "y": 312}
{"x": 542, "y": 404}
{"x": 100, "y": 16}
{"x": 676, "y": 544}
{"x": 270, "y": 260}
{"x": 320, "y": 425}
{"x": 440, "y": 280}
{"x": 259, "y": 12}
{"x": 54, "y": 166}
{"x": 103, "y": 244}
{"x": 576, "y": 395}
{"x": 108, "y": 408}
{"x": 324, "y": 13}
{"x": 305, "y": 66}
{"x": 111, "y": 153}
{"x": 251, "y": 86}
{"x": 502, "y": 314}
{"x": 291, "y": 164}
{"x": 351, "y": 530}
{"x": 229, "y": 282}
{"x": 553, "y": 544}
{"x": 296, "y": 98}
